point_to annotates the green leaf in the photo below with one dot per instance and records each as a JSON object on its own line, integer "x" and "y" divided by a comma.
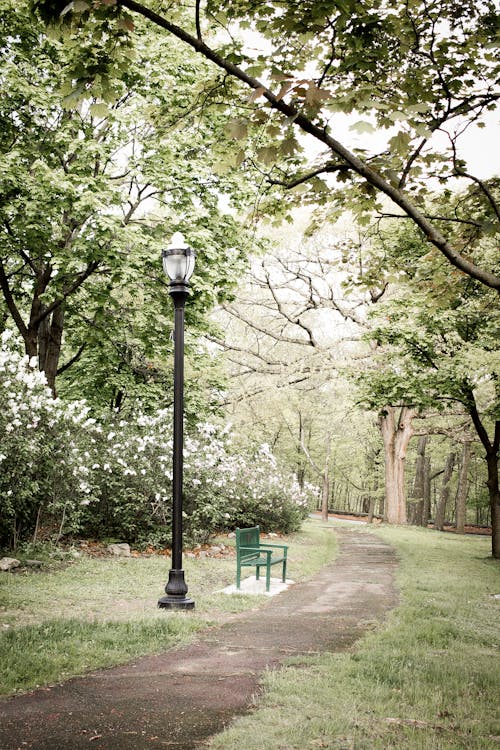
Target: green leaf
{"x": 397, "y": 116}
{"x": 363, "y": 127}
{"x": 100, "y": 109}
{"x": 237, "y": 129}
{"x": 267, "y": 154}
{"x": 399, "y": 143}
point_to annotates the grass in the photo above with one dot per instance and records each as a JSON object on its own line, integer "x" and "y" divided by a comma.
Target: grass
{"x": 87, "y": 613}
{"x": 428, "y": 679}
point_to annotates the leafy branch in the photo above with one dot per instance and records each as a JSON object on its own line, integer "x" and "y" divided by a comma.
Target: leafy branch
{"x": 320, "y": 133}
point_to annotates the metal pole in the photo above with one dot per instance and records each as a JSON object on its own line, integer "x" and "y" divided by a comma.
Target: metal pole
{"x": 176, "y": 588}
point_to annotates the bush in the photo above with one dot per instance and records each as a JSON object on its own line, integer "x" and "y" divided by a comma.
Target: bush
{"x": 113, "y": 477}
{"x": 222, "y": 490}
{"x": 42, "y": 467}
{"x": 242, "y": 491}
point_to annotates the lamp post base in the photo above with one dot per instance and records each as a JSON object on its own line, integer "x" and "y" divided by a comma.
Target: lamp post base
{"x": 175, "y": 602}
{"x": 176, "y": 591}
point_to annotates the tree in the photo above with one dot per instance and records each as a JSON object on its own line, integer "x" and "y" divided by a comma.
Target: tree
{"x": 373, "y": 61}
{"x": 419, "y": 490}
{"x": 463, "y": 488}
{"x": 88, "y": 194}
{"x": 288, "y": 338}
{"x": 445, "y": 493}
{"x": 396, "y": 429}
{"x": 421, "y": 75}
{"x": 442, "y": 337}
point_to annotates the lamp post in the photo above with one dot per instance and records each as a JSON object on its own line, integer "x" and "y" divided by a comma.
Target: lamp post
{"x": 178, "y": 264}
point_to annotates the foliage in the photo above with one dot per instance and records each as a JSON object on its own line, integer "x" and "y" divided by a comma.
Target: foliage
{"x": 222, "y": 489}
{"x": 43, "y": 451}
{"x": 437, "y": 334}
{"x": 437, "y": 342}
{"x": 286, "y": 340}
{"x": 89, "y": 194}
{"x": 113, "y": 478}
{"x": 418, "y": 77}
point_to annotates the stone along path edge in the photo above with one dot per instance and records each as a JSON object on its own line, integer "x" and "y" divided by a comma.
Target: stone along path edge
{"x": 182, "y": 697}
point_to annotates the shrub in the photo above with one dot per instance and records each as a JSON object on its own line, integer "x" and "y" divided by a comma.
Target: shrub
{"x": 42, "y": 467}
{"x": 222, "y": 490}
{"x": 113, "y": 477}
{"x": 256, "y": 492}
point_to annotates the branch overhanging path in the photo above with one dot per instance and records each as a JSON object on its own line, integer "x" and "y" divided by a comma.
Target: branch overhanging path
{"x": 350, "y": 160}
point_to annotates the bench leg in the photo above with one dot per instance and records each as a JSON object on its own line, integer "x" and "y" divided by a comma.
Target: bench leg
{"x": 284, "y": 571}
{"x": 257, "y": 572}
{"x": 268, "y": 577}
{"x": 238, "y": 577}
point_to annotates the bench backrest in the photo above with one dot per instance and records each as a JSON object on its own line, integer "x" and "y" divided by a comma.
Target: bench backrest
{"x": 248, "y": 537}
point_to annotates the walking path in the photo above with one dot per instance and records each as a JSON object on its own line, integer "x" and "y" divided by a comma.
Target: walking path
{"x": 181, "y": 698}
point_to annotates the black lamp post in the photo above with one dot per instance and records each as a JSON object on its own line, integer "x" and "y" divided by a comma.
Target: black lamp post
{"x": 178, "y": 264}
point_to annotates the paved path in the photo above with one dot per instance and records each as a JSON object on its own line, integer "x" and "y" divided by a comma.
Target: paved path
{"x": 180, "y": 698}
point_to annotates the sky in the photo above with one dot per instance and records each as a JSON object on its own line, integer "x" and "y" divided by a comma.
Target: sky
{"x": 480, "y": 147}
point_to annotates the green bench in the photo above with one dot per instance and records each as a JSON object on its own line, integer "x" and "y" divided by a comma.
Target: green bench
{"x": 252, "y": 553}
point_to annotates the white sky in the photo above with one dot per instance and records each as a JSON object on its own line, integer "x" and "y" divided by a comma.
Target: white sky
{"x": 480, "y": 147}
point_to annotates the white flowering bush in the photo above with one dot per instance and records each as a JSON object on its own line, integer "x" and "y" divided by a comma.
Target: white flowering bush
{"x": 43, "y": 447}
{"x": 112, "y": 478}
{"x": 225, "y": 489}
{"x": 132, "y": 474}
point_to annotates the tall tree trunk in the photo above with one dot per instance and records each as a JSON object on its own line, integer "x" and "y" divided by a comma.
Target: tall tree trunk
{"x": 426, "y": 508}
{"x": 463, "y": 488}
{"x": 416, "y": 505}
{"x": 31, "y": 333}
{"x": 491, "y": 447}
{"x": 494, "y": 492}
{"x": 50, "y": 341}
{"x": 333, "y": 502}
{"x": 323, "y": 473}
{"x": 300, "y": 458}
{"x": 325, "y": 493}
{"x": 43, "y": 335}
{"x": 373, "y": 500}
{"x": 372, "y": 465}
{"x": 396, "y": 428}
{"x": 445, "y": 493}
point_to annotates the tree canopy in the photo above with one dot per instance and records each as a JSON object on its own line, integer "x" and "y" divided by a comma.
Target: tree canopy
{"x": 418, "y": 75}
{"x": 90, "y": 190}
{"x": 124, "y": 121}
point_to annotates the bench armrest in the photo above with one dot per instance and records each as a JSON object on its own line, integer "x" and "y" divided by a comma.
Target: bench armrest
{"x": 275, "y": 546}
{"x": 268, "y": 552}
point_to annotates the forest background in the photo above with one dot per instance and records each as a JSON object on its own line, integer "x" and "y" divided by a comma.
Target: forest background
{"x": 344, "y": 314}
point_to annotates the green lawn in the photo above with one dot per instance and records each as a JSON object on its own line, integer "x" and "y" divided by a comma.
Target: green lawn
{"x": 95, "y": 612}
{"x": 429, "y": 679}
